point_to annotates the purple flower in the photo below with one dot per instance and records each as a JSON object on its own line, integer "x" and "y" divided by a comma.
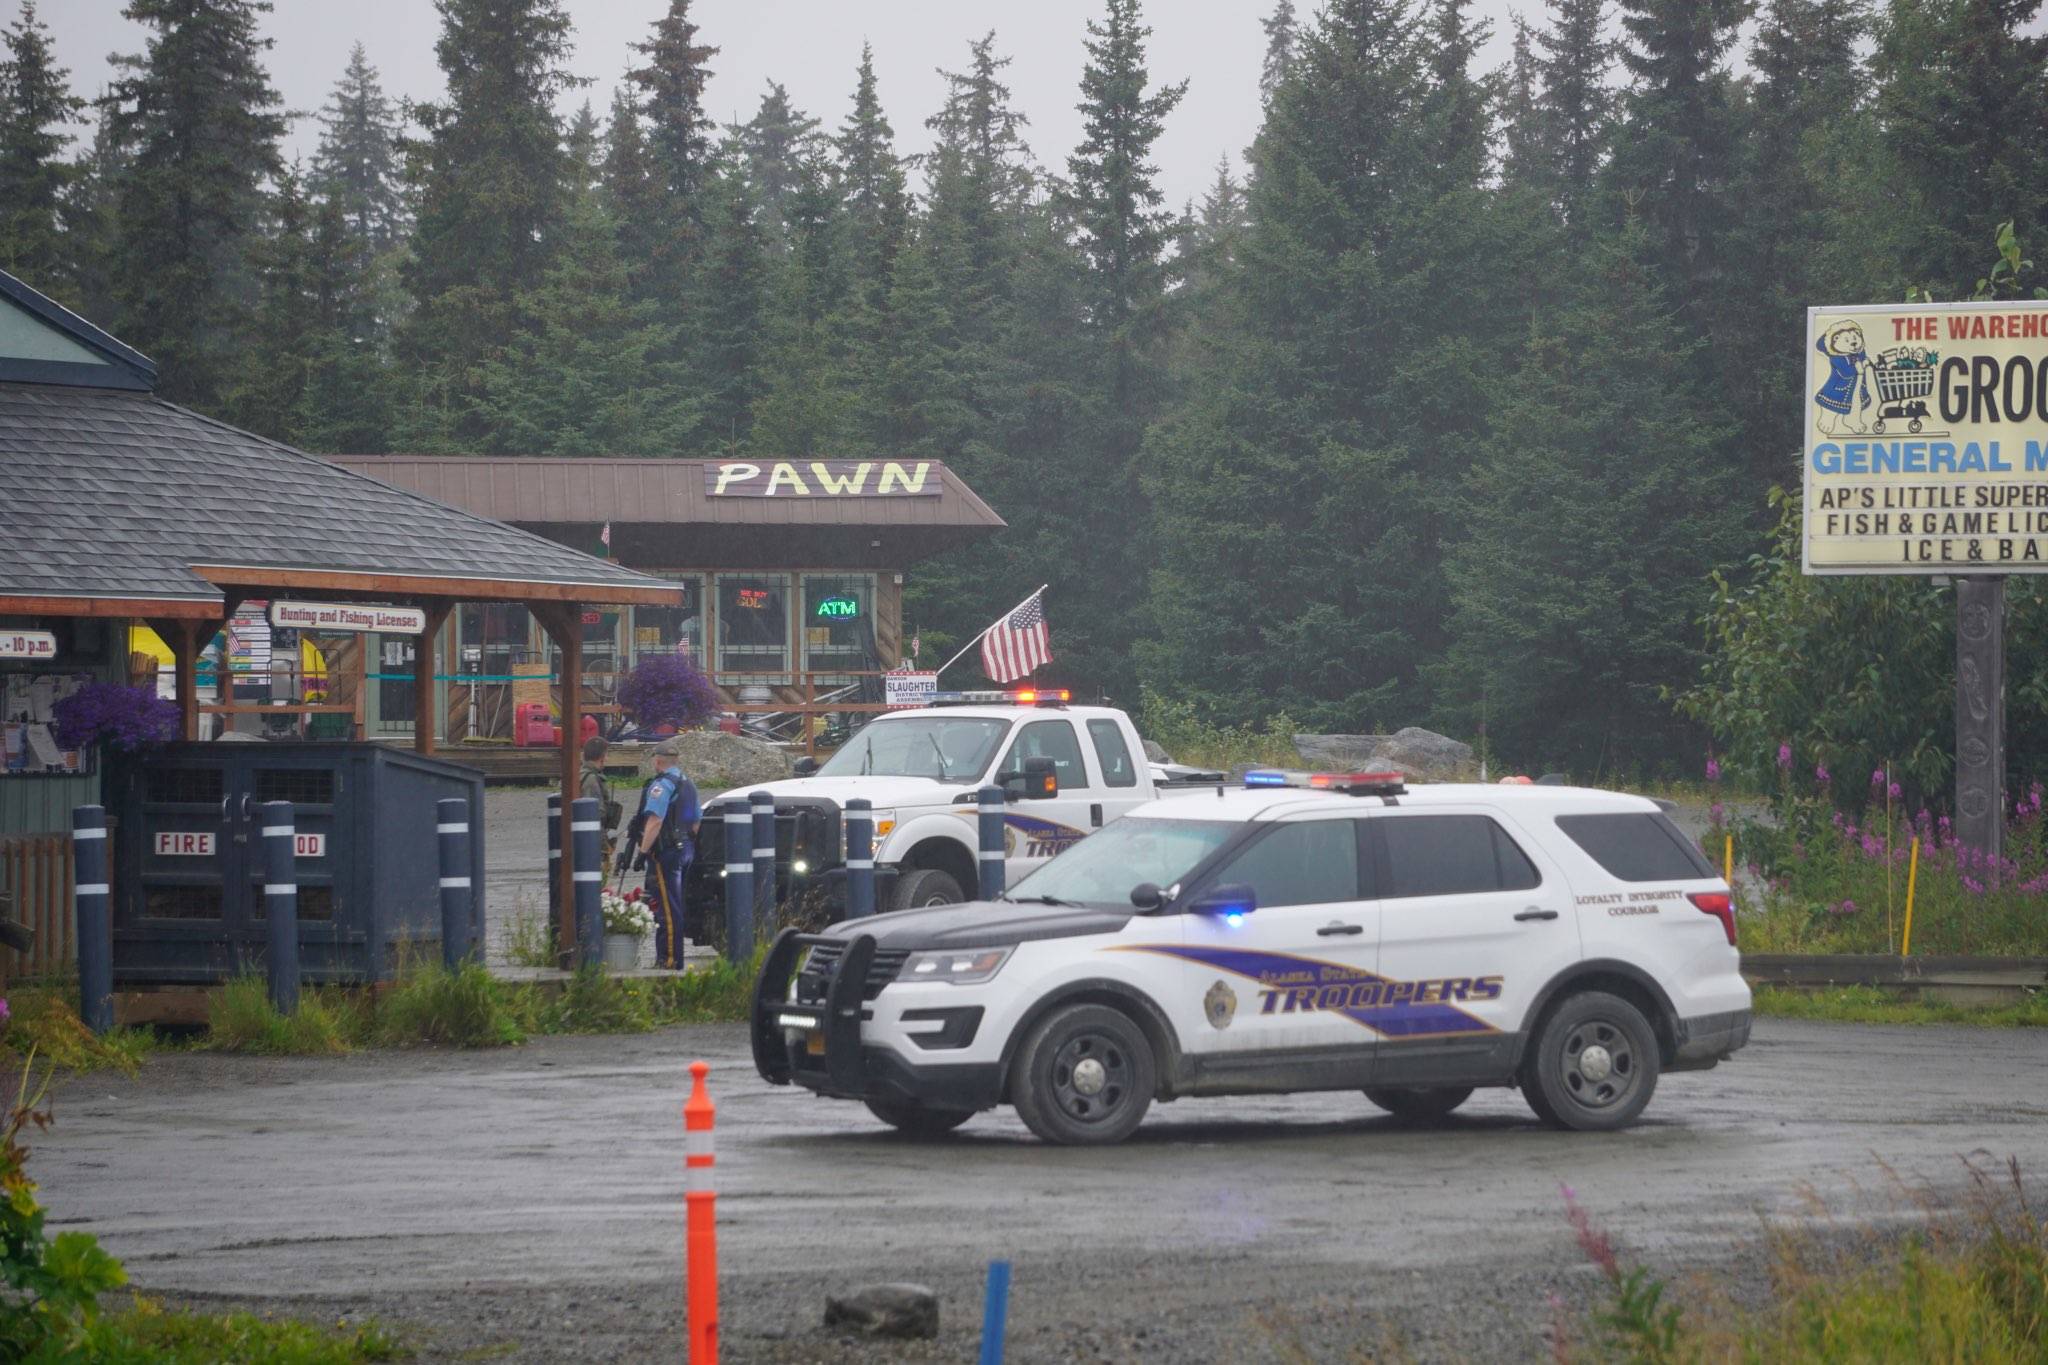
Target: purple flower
{"x": 1895, "y": 791}
{"x": 1877, "y": 778}
{"x": 115, "y": 714}
{"x": 5, "y": 1013}
{"x": 1820, "y": 774}
{"x": 1785, "y": 757}
{"x": 1714, "y": 771}
{"x": 1716, "y": 813}
{"x": 1847, "y": 907}
{"x": 667, "y": 689}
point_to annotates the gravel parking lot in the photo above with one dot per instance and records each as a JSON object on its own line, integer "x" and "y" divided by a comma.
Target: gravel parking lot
{"x": 528, "y": 1202}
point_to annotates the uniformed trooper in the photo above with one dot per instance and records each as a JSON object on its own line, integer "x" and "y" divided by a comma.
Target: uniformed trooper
{"x": 664, "y": 836}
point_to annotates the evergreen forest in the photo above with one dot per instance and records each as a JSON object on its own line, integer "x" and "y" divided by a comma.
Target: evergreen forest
{"x": 1457, "y": 400}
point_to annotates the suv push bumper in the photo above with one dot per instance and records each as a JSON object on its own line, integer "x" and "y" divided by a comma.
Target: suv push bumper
{"x": 815, "y": 1042}
{"x": 1705, "y": 1040}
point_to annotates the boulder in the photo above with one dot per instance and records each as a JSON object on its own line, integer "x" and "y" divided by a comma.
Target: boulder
{"x": 1338, "y": 753}
{"x": 1426, "y": 754}
{"x": 886, "y": 1310}
{"x": 715, "y": 761}
{"x": 1154, "y": 753}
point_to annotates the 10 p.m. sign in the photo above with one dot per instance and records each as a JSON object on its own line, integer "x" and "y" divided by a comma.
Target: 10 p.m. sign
{"x": 1926, "y": 439}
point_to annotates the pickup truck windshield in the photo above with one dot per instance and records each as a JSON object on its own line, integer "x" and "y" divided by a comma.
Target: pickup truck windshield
{"x": 946, "y": 748}
{"x": 1103, "y": 868}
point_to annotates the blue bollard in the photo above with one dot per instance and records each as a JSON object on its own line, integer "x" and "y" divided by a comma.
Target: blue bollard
{"x": 95, "y": 916}
{"x": 554, "y": 862}
{"x": 860, "y": 857}
{"x": 739, "y": 882}
{"x": 764, "y": 856}
{"x": 585, "y": 827}
{"x": 989, "y": 807}
{"x": 452, "y": 824}
{"x": 281, "y": 904}
{"x": 995, "y": 1313}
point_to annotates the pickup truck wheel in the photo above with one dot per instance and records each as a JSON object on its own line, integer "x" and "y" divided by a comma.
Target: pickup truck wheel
{"x": 914, "y": 1120}
{"x": 1084, "y": 1077}
{"x": 1594, "y": 1064}
{"x": 925, "y": 886}
{"x": 1419, "y": 1105}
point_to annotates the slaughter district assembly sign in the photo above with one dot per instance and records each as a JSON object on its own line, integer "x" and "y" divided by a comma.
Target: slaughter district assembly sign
{"x": 1926, "y": 439}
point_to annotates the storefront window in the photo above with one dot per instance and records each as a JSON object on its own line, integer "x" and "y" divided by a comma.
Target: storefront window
{"x": 839, "y": 623}
{"x": 601, "y": 639}
{"x": 494, "y": 637}
{"x": 753, "y": 623}
{"x": 671, "y": 630}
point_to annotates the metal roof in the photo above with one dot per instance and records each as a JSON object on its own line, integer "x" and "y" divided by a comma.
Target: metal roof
{"x": 117, "y": 495}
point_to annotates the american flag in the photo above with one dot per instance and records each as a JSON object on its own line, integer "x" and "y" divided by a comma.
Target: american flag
{"x": 1016, "y": 644}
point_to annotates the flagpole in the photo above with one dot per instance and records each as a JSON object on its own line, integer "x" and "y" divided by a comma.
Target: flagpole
{"x": 989, "y": 627}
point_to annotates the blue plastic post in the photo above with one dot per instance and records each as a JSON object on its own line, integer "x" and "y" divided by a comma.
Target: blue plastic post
{"x": 554, "y": 861}
{"x": 763, "y": 806}
{"x": 95, "y": 914}
{"x": 995, "y": 1313}
{"x": 739, "y": 881}
{"x": 281, "y": 904}
{"x": 452, "y": 824}
{"x": 989, "y": 806}
{"x": 587, "y": 855}
{"x": 860, "y": 857}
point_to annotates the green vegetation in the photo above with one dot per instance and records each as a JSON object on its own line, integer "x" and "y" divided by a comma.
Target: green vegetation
{"x": 1970, "y": 1284}
{"x": 530, "y": 941}
{"x": 433, "y": 1006}
{"x": 147, "y": 1333}
{"x": 1178, "y": 728}
{"x": 42, "y": 1018}
{"x": 1870, "y": 1005}
{"x": 240, "y": 1018}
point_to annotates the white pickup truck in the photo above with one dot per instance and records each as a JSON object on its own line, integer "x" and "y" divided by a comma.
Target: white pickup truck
{"x": 921, "y": 770}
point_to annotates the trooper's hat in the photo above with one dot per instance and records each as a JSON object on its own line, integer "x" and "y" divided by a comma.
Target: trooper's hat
{"x": 667, "y": 749}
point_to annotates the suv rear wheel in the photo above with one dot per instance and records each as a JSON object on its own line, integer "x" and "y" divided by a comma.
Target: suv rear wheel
{"x": 1593, "y": 1065}
{"x": 1419, "y": 1105}
{"x": 922, "y": 886}
{"x": 914, "y": 1120}
{"x": 1084, "y": 1076}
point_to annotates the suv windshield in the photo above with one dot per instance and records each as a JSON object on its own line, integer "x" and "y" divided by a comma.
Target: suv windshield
{"x": 1104, "y": 867}
{"x": 946, "y": 748}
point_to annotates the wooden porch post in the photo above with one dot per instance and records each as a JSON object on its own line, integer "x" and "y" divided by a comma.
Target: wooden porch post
{"x": 426, "y": 712}
{"x": 564, "y": 624}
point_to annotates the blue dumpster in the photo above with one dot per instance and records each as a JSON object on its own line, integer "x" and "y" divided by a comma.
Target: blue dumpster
{"x": 188, "y": 882}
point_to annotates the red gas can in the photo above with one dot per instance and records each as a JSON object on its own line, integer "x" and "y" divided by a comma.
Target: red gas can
{"x": 533, "y": 728}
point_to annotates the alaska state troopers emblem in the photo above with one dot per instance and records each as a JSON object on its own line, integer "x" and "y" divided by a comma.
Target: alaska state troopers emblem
{"x": 1221, "y": 1005}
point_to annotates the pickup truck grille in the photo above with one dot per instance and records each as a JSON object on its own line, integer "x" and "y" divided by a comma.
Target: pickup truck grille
{"x": 881, "y": 971}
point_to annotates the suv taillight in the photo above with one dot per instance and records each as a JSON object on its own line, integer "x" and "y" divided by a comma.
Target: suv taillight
{"x": 1720, "y": 905}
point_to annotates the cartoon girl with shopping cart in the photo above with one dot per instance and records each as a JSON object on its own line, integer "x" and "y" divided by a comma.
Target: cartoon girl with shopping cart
{"x": 1846, "y": 393}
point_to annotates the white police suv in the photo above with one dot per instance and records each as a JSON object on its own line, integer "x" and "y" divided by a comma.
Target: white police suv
{"x": 1325, "y": 932}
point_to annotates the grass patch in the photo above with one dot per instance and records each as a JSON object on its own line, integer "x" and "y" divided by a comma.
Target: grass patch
{"x": 1970, "y": 1283}
{"x": 1869, "y": 1005}
{"x": 433, "y": 1006}
{"x": 147, "y": 1331}
{"x": 240, "y": 1018}
{"x": 529, "y": 941}
{"x": 43, "y": 1018}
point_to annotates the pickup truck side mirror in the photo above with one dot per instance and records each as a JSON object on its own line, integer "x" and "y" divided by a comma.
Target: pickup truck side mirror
{"x": 1040, "y": 779}
{"x": 1231, "y": 901}
{"x": 805, "y": 766}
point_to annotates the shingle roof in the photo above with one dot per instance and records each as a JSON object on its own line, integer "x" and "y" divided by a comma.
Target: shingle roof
{"x": 115, "y": 494}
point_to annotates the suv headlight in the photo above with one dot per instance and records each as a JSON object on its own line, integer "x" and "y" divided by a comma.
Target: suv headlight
{"x": 966, "y": 967}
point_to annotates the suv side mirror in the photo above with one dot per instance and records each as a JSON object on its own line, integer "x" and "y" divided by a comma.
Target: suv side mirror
{"x": 805, "y": 766}
{"x": 1231, "y": 901}
{"x": 1147, "y": 896}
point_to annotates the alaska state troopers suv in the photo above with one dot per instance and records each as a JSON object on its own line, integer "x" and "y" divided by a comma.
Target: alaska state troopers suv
{"x": 1305, "y": 933}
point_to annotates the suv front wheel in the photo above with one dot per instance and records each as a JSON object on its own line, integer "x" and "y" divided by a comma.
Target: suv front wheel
{"x": 1084, "y": 1076}
{"x": 1593, "y": 1064}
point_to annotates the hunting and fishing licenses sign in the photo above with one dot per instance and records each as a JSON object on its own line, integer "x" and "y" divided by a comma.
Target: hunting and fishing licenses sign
{"x": 1926, "y": 439}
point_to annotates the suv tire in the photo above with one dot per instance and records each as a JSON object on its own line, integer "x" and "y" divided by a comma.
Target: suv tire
{"x": 923, "y": 886}
{"x": 1083, "y": 1077}
{"x": 1415, "y": 1105}
{"x": 1593, "y": 1065}
{"x": 916, "y": 1121}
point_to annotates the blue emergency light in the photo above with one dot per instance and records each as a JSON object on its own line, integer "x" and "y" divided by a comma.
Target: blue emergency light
{"x": 1265, "y": 779}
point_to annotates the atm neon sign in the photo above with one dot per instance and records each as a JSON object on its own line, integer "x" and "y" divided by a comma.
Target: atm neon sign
{"x": 838, "y": 609}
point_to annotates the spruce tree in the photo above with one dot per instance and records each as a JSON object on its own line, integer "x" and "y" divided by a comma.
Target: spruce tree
{"x": 1281, "y": 37}
{"x": 730, "y": 284}
{"x": 1457, "y": 114}
{"x": 1575, "y": 126}
{"x": 266, "y": 395}
{"x": 91, "y": 216}
{"x": 493, "y": 186}
{"x": 345, "y": 404}
{"x": 584, "y": 145}
{"x": 36, "y": 104}
{"x": 190, "y": 207}
{"x": 777, "y": 141}
{"x": 875, "y": 198}
{"x": 1524, "y": 162}
{"x": 671, "y": 86}
{"x": 357, "y": 164}
{"x": 661, "y": 172}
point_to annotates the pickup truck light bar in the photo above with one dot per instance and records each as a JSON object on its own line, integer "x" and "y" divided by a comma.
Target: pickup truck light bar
{"x": 1351, "y": 784}
{"x": 1029, "y": 696}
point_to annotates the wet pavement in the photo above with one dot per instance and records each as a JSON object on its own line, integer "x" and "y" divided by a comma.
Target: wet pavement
{"x": 529, "y": 1201}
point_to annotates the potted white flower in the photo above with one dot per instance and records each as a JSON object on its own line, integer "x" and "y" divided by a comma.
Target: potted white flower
{"x": 627, "y": 920}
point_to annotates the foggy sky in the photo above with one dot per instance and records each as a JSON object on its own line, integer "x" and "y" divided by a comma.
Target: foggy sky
{"x": 811, "y": 46}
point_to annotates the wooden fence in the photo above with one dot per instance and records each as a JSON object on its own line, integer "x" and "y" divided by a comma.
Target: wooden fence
{"x": 37, "y": 870}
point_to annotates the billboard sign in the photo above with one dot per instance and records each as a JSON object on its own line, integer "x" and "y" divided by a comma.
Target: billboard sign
{"x": 1926, "y": 439}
